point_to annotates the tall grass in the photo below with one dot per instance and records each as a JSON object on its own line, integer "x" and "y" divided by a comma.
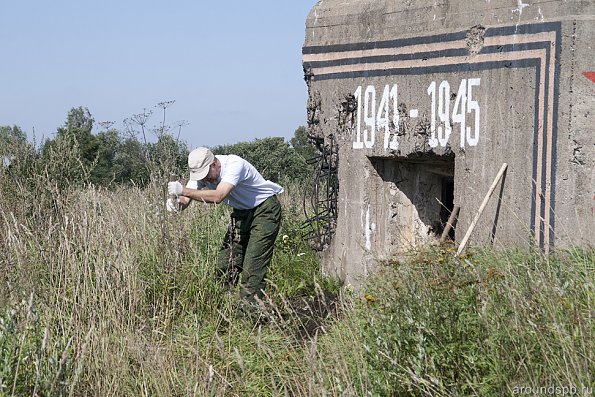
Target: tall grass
{"x": 105, "y": 293}
{"x": 102, "y": 292}
{"x": 491, "y": 324}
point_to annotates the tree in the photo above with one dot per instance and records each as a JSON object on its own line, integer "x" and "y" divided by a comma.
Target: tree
{"x": 79, "y": 124}
{"x": 75, "y": 155}
{"x": 129, "y": 163}
{"x": 11, "y": 136}
{"x": 168, "y": 156}
{"x": 108, "y": 144}
{"x": 272, "y": 157}
{"x": 70, "y": 156}
{"x": 16, "y": 153}
{"x": 302, "y": 144}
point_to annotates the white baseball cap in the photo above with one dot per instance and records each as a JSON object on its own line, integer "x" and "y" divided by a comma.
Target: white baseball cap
{"x": 199, "y": 162}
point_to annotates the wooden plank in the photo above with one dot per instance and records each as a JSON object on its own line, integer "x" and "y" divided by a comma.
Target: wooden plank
{"x": 481, "y": 208}
{"x": 449, "y": 224}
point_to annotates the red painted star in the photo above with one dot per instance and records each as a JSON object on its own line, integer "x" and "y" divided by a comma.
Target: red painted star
{"x": 590, "y": 76}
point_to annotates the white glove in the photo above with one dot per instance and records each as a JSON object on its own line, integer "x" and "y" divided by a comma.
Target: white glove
{"x": 171, "y": 205}
{"x": 175, "y": 188}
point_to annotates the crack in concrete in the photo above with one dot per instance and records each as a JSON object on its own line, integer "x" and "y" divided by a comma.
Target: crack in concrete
{"x": 474, "y": 39}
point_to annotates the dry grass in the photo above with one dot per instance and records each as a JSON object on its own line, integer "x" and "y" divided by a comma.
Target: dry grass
{"x": 104, "y": 293}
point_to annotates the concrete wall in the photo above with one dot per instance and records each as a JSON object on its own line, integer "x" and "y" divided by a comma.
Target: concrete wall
{"x": 419, "y": 94}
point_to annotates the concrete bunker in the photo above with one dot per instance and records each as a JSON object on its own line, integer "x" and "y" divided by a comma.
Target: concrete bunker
{"x": 426, "y": 101}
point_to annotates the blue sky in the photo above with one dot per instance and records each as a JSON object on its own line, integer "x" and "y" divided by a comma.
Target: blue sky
{"x": 233, "y": 67}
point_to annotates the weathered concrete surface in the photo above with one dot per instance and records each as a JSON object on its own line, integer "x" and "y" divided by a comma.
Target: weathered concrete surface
{"x": 420, "y": 94}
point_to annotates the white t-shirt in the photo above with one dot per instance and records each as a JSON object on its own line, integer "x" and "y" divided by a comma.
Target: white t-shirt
{"x": 250, "y": 188}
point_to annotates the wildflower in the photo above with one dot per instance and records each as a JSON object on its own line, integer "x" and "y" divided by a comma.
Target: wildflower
{"x": 370, "y": 299}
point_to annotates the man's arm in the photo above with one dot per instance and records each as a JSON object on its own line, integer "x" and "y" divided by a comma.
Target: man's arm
{"x": 209, "y": 196}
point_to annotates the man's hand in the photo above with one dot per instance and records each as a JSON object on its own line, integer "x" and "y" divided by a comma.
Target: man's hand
{"x": 175, "y": 188}
{"x": 172, "y": 205}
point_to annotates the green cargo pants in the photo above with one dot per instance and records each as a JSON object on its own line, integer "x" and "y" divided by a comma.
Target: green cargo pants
{"x": 248, "y": 247}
